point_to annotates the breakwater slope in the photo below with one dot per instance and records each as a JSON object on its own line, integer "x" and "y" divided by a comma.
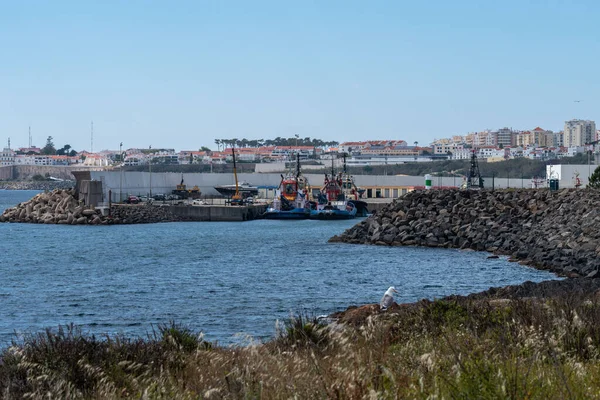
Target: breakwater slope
{"x": 63, "y": 207}
{"x": 555, "y": 231}
{"x": 36, "y": 185}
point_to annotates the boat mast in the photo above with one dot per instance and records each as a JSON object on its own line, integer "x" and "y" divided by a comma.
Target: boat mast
{"x": 237, "y": 188}
{"x": 297, "y": 170}
{"x": 332, "y": 171}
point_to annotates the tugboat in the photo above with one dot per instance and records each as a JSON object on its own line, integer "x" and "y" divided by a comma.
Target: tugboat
{"x": 339, "y": 197}
{"x": 291, "y": 199}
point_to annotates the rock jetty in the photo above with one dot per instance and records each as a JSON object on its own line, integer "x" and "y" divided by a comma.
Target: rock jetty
{"x": 556, "y": 231}
{"x": 36, "y": 185}
{"x": 62, "y": 207}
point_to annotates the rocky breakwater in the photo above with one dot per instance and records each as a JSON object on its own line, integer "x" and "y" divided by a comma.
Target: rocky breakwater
{"x": 63, "y": 207}
{"x": 36, "y": 185}
{"x": 141, "y": 214}
{"x": 56, "y": 207}
{"x": 556, "y": 231}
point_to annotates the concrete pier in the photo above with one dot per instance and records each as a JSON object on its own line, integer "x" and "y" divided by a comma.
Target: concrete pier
{"x": 218, "y": 212}
{"x": 376, "y": 205}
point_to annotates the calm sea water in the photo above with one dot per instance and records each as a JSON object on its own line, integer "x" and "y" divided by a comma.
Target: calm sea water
{"x": 222, "y": 278}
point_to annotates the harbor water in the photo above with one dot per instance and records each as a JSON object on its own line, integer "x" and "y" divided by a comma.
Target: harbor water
{"x": 230, "y": 280}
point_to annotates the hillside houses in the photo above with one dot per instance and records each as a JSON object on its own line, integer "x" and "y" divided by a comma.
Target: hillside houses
{"x": 506, "y": 143}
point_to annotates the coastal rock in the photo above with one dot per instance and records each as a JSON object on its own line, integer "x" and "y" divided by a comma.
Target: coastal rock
{"x": 63, "y": 207}
{"x": 555, "y": 231}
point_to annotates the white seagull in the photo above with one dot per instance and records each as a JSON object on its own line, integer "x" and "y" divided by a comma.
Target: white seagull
{"x": 388, "y": 298}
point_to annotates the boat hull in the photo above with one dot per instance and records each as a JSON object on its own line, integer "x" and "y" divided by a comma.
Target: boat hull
{"x": 332, "y": 214}
{"x": 296, "y": 213}
{"x": 361, "y": 208}
{"x": 230, "y": 191}
{"x": 338, "y": 211}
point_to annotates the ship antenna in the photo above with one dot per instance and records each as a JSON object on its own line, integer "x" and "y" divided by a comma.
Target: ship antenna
{"x": 332, "y": 171}
{"x": 92, "y": 139}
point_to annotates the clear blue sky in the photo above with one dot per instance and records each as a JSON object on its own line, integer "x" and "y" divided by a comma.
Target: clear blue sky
{"x": 180, "y": 74}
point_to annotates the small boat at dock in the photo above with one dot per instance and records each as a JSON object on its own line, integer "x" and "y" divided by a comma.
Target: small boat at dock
{"x": 339, "y": 197}
{"x": 291, "y": 198}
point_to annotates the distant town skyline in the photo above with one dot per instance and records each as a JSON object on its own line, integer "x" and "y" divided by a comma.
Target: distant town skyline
{"x": 181, "y": 76}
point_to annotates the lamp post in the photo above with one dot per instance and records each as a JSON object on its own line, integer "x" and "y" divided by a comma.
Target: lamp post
{"x": 589, "y": 163}
{"x": 521, "y": 178}
{"x": 150, "y": 169}
{"x": 121, "y": 172}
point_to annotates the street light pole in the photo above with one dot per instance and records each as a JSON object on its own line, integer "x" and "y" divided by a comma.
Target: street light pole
{"x": 121, "y": 172}
{"x": 521, "y": 178}
{"x": 589, "y": 164}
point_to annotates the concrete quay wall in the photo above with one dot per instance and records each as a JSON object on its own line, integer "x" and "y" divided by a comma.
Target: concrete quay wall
{"x": 218, "y": 213}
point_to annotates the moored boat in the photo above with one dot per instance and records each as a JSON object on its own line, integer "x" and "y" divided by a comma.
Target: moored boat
{"x": 339, "y": 197}
{"x": 291, "y": 198}
{"x": 335, "y": 210}
{"x": 245, "y": 189}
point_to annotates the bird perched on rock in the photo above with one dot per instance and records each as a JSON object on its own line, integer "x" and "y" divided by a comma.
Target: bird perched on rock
{"x": 388, "y": 298}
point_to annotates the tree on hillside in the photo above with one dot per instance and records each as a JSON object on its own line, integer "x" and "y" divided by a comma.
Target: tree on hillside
{"x": 595, "y": 179}
{"x": 204, "y": 148}
{"x": 65, "y": 150}
{"x": 49, "y": 148}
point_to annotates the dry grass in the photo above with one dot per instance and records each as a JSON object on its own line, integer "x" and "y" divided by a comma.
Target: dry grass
{"x": 534, "y": 349}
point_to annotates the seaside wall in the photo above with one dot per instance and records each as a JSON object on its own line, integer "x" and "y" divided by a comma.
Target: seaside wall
{"x": 26, "y": 172}
{"x": 6, "y": 173}
{"x": 218, "y": 213}
{"x": 139, "y": 183}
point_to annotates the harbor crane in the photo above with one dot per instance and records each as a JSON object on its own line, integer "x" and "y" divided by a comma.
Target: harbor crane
{"x": 236, "y": 199}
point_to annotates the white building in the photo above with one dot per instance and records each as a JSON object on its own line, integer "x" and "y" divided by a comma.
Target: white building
{"x": 461, "y": 154}
{"x": 579, "y": 132}
{"x": 96, "y": 160}
{"x": 7, "y": 157}
{"x": 445, "y": 148}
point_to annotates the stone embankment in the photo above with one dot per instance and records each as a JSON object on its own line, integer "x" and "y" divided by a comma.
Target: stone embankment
{"x": 36, "y": 185}
{"x": 141, "y": 214}
{"x": 62, "y": 207}
{"x": 556, "y": 231}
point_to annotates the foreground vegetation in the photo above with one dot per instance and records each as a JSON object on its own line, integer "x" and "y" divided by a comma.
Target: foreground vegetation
{"x": 459, "y": 348}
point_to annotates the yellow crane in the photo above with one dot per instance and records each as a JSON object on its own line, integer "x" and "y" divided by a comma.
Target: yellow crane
{"x": 236, "y": 199}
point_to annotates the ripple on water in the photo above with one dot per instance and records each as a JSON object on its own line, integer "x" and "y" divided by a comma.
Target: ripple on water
{"x": 220, "y": 278}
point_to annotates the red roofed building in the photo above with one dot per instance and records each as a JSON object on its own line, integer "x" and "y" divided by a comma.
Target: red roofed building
{"x": 542, "y": 137}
